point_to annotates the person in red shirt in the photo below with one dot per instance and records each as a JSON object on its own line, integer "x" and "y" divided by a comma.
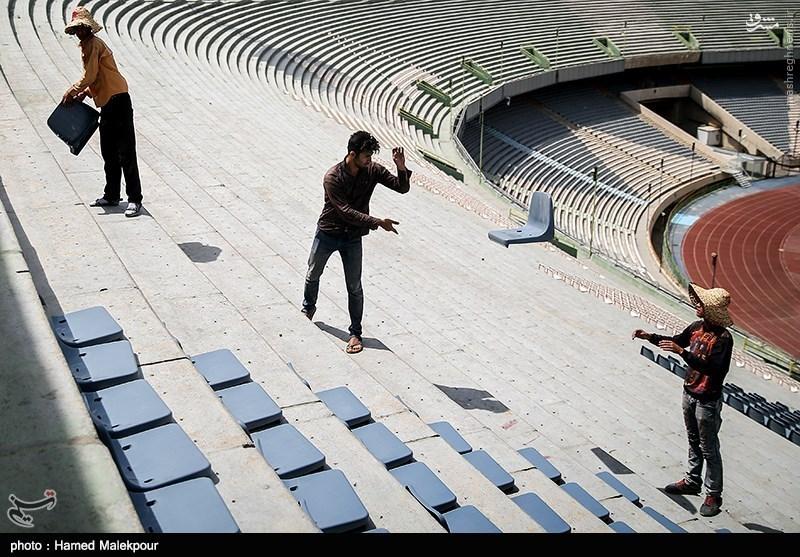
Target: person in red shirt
{"x": 706, "y": 346}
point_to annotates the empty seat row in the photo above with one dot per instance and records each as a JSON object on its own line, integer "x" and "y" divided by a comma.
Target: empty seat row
{"x": 325, "y": 495}
{"x": 773, "y": 415}
{"x": 631, "y": 496}
{"x": 423, "y": 484}
{"x": 168, "y": 477}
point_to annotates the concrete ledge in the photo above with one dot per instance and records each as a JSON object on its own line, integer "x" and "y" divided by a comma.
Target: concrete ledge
{"x": 48, "y": 440}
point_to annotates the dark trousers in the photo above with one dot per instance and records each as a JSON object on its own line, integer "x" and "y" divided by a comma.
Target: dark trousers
{"x": 350, "y": 250}
{"x": 118, "y": 146}
{"x": 703, "y": 420}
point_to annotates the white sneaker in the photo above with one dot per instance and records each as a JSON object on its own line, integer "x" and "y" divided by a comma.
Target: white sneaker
{"x": 133, "y": 209}
{"x": 102, "y": 202}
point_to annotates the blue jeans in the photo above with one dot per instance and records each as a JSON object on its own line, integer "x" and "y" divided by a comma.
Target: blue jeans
{"x": 703, "y": 420}
{"x": 350, "y": 250}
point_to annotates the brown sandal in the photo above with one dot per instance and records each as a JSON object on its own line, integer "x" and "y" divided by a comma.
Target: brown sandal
{"x": 354, "y": 347}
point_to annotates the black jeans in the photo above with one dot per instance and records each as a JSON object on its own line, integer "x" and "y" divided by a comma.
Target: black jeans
{"x": 350, "y": 250}
{"x": 118, "y": 146}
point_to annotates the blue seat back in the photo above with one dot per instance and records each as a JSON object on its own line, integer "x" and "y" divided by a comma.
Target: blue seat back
{"x": 288, "y": 452}
{"x": 451, "y": 436}
{"x": 126, "y": 409}
{"x": 193, "y": 506}
{"x": 250, "y": 405}
{"x": 330, "y": 501}
{"x": 345, "y": 406}
{"x": 383, "y": 444}
{"x": 221, "y": 369}
{"x": 491, "y": 470}
{"x": 541, "y": 512}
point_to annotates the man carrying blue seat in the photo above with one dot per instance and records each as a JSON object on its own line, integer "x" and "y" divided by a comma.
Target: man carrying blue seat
{"x": 102, "y": 81}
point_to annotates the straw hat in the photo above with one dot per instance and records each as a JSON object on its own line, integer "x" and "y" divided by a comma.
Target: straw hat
{"x": 81, "y": 16}
{"x": 715, "y": 302}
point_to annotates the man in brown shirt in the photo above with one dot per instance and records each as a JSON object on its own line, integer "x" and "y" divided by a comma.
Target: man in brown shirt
{"x": 345, "y": 219}
{"x": 102, "y": 81}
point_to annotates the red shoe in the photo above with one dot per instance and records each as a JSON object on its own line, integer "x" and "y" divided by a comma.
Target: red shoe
{"x": 711, "y": 506}
{"x": 682, "y": 487}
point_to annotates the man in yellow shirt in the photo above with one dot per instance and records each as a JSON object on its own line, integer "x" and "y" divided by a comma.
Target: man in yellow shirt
{"x": 102, "y": 81}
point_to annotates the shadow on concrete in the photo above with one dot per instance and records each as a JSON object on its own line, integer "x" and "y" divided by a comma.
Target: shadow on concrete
{"x": 681, "y": 500}
{"x": 473, "y": 399}
{"x": 368, "y": 342}
{"x": 199, "y": 252}
{"x": 761, "y": 528}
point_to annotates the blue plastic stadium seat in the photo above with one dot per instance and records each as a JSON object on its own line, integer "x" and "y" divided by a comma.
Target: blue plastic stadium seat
{"x": 758, "y": 414}
{"x": 127, "y": 409}
{"x": 621, "y": 528}
{"x": 539, "y": 228}
{"x": 86, "y": 327}
{"x": 288, "y": 452}
{"x": 647, "y": 353}
{"x": 540, "y": 462}
{"x": 621, "y": 488}
{"x": 794, "y": 436}
{"x": 74, "y": 124}
{"x": 193, "y": 506}
{"x": 451, "y": 436}
{"x": 221, "y": 369}
{"x": 664, "y": 362}
{"x": 461, "y": 520}
{"x": 102, "y": 365}
{"x": 779, "y": 425}
{"x": 468, "y": 520}
{"x": 586, "y": 500}
{"x": 733, "y": 387}
{"x": 383, "y": 444}
{"x": 736, "y": 402}
{"x": 680, "y": 370}
{"x": 252, "y": 407}
{"x": 158, "y": 457}
{"x": 345, "y": 406}
{"x": 664, "y": 521}
{"x": 425, "y": 485}
{"x": 329, "y": 499}
{"x": 541, "y": 512}
{"x": 489, "y": 467}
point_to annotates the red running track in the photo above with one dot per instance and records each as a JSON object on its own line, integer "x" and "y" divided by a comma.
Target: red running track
{"x": 757, "y": 238}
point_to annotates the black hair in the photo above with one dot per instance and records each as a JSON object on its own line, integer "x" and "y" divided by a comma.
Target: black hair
{"x": 363, "y": 141}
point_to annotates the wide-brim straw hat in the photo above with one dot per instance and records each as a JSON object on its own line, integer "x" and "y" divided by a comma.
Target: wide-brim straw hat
{"x": 715, "y": 302}
{"x": 81, "y": 16}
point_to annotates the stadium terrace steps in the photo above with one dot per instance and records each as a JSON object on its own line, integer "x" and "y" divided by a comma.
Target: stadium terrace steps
{"x": 254, "y": 206}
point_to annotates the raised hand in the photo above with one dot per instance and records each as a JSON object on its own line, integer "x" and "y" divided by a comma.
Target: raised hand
{"x": 399, "y": 158}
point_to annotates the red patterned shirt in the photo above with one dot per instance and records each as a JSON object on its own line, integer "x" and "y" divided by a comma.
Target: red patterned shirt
{"x": 708, "y": 356}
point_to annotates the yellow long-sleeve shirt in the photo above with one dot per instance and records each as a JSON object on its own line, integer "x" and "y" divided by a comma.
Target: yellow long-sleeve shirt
{"x": 100, "y": 74}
